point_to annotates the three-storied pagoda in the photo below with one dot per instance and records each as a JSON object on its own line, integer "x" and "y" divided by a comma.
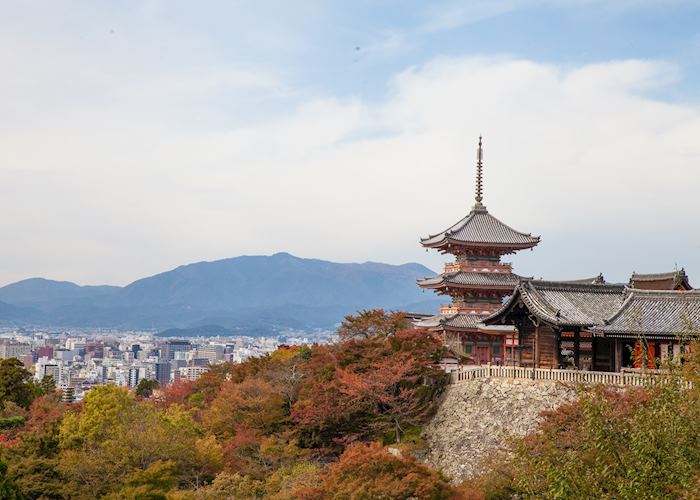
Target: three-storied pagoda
{"x": 477, "y": 281}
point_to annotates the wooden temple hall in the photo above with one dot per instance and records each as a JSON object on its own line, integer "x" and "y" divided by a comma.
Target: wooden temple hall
{"x": 498, "y": 317}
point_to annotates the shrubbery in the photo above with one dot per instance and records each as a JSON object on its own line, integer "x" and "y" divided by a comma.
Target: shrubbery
{"x": 638, "y": 443}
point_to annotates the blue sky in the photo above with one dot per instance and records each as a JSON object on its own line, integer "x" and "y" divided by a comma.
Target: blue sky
{"x": 138, "y": 136}
{"x": 353, "y": 48}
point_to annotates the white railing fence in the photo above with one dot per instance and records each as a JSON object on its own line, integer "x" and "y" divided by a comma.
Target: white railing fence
{"x": 573, "y": 376}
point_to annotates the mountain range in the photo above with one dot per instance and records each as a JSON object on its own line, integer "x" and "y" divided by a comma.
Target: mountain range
{"x": 255, "y": 294}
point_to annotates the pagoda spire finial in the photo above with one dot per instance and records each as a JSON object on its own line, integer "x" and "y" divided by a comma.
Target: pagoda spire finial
{"x": 479, "y": 182}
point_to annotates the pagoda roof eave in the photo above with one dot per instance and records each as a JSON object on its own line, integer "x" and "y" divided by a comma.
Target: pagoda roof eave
{"x": 471, "y": 279}
{"x": 500, "y": 288}
{"x": 440, "y": 245}
{"x": 481, "y": 229}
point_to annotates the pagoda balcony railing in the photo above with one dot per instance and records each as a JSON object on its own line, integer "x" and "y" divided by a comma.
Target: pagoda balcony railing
{"x": 466, "y": 309}
{"x": 479, "y": 267}
{"x": 467, "y": 373}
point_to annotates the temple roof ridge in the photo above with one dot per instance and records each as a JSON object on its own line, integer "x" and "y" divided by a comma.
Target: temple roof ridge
{"x": 673, "y": 279}
{"x": 574, "y": 285}
{"x": 595, "y": 280}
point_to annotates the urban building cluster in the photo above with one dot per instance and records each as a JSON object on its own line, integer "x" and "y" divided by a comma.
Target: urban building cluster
{"x": 80, "y": 360}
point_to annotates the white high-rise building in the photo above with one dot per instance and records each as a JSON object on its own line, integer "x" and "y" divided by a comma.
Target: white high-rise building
{"x": 135, "y": 375}
{"x": 51, "y": 367}
{"x": 212, "y": 352}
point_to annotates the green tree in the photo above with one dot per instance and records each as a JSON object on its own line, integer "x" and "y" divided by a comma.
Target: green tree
{"x": 32, "y": 462}
{"x": 47, "y": 385}
{"x": 15, "y": 383}
{"x": 8, "y": 489}
{"x": 150, "y": 484}
{"x": 124, "y": 437}
{"x": 145, "y": 387}
{"x": 103, "y": 409}
{"x": 228, "y": 485}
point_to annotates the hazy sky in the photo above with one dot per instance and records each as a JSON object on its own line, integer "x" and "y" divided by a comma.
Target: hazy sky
{"x": 138, "y": 136}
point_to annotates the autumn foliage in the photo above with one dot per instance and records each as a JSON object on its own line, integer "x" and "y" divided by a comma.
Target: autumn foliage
{"x": 272, "y": 427}
{"x": 336, "y": 421}
{"x": 371, "y": 471}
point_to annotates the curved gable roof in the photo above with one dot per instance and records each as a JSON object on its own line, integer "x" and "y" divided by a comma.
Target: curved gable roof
{"x": 564, "y": 303}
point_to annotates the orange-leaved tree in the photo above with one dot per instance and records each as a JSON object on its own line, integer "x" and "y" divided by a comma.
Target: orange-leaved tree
{"x": 369, "y": 386}
{"x": 370, "y": 471}
{"x": 372, "y": 323}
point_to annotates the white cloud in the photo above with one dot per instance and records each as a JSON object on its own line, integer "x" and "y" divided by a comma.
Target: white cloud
{"x": 115, "y": 168}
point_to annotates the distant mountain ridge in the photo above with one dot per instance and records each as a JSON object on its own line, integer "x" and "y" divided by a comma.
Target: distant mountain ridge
{"x": 252, "y": 293}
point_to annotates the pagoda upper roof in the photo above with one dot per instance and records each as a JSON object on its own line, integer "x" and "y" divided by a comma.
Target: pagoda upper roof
{"x": 481, "y": 229}
{"x": 661, "y": 281}
{"x": 471, "y": 279}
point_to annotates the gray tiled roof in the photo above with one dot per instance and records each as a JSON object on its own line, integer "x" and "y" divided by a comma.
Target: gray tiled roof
{"x": 482, "y": 229}
{"x": 508, "y": 280}
{"x": 429, "y": 322}
{"x": 463, "y": 321}
{"x": 450, "y": 321}
{"x": 565, "y": 304}
{"x": 655, "y": 312}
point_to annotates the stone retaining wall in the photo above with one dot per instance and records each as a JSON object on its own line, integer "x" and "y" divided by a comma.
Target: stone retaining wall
{"x": 475, "y": 416}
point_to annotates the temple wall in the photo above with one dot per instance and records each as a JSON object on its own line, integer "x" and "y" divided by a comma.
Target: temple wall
{"x": 547, "y": 352}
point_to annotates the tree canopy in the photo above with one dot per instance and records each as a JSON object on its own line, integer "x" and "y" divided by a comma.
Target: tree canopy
{"x": 16, "y": 383}
{"x": 332, "y": 421}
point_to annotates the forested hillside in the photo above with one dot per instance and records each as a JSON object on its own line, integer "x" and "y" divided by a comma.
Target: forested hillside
{"x": 255, "y": 295}
{"x": 334, "y": 421}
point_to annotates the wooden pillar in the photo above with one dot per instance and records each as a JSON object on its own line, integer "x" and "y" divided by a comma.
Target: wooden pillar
{"x": 536, "y": 354}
